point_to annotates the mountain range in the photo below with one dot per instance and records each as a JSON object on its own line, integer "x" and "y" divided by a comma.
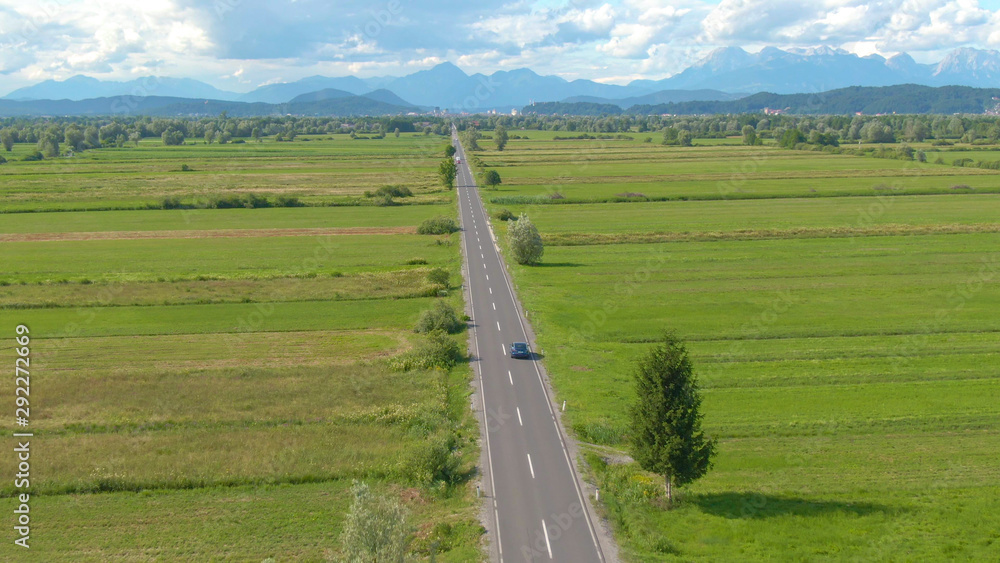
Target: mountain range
{"x": 321, "y": 103}
{"x": 725, "y": 74}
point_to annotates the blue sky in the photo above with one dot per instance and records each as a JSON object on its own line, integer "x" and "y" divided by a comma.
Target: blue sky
{"x": 241, "y": 44}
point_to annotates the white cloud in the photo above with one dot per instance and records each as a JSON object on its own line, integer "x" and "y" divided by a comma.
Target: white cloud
{"x": 609, "y": 39}
{"x": 519, "y": 29}
{"x": 591, "y": 20}
{"x": 629, "y": 40}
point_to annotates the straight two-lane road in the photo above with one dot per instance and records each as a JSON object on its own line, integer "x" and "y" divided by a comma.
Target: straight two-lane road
{"x": 537, "y": 505}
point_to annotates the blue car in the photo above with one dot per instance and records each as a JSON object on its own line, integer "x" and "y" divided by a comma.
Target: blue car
{"x": 519, "y": 350}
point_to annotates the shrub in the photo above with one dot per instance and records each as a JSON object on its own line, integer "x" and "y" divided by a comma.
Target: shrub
{"x": 438, "y": 350}
{"x": 438, "y": 226}
{"x": 288, "y": 201}
{"x": 383, "y": 201}
{"x": 391, "y": 191}
{"x": 254, "y": 201}
{"x": 249, "y": 201}
{"x": 439, "y": 276}
{"x": 3, "y": 160}
{"x": 171, "y": 203}
{"x": 415, "y": 262}
{"x": 375, "y": 528}
{"x": 441, "y": 318}
{"x": 185, "y": 168}
{"x": 438, "y": 463}
{"x": 506, "y": 215}
{"x": 35, "y": 156}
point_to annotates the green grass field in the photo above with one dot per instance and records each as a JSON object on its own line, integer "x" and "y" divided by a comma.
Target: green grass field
{"x": 206, "y": 383}
{"x": 319, "y": 172}
{"x": 603, "y": 170}
{"x": 844, "y": 334}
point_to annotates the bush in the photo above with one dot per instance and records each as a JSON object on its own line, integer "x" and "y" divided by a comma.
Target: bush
{"x": 35, "y": 156}
{"x": 438, "y": 463}
{"x": 439, "y": 276}
{"x": 391, "y": 191}
{"x": 170, "y": 203}
{"x": 254, "y": 201}
{"x": 3, "y": 160}
{"x": 506, "y": 215}
{"x": 438, "y": 226}
{"x": 185, "y": 168}
{"x": 441, "y": 318}
{"x": 437, "y": 351}
{"x": 288, "y": 201}
{"x": 415, "y": 261}
{"x": 375, "y": 528}
{"x": 383, "y": 201}
{"x": 235, "y": 201}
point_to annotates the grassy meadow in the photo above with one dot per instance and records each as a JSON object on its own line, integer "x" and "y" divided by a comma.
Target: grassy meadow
{"x": 207, "y": 383}
{"x": 841, "y": 316}
{"x": 316, "y": 169}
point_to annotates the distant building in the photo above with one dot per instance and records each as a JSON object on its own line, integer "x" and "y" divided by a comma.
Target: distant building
{"x": 515, "y": 112}
{"x": 770, "y": 111}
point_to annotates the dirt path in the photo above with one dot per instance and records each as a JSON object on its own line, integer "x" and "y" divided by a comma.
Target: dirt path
{"x": 219, "y": 233}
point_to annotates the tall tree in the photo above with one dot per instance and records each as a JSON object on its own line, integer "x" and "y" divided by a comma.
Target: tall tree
{"x": 749, "y": 135}
{"x": 74, "y": 138}
{"x": 666, "y": 420}
{"x": 7, "y": 140}
{"x": 500, "y": 136}
{"x": 492, "y": 178}
{"x": 48, "y": 144}
{"x": 448, "y": 170}
{"x": 92, "y": 137}
{"x": 470, "y": 138}
{"x": 524, "y": 241}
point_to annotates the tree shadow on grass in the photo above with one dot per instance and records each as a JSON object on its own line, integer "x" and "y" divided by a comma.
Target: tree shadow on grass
{"x": 759, "y": 506}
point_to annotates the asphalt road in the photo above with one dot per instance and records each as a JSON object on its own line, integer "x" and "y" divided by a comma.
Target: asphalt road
{"x": 538, "y": 506}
